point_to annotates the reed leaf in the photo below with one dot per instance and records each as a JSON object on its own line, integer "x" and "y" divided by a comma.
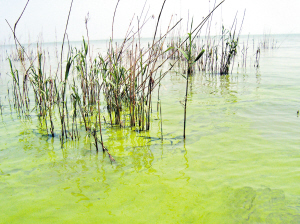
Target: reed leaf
{"x": 199, "y": 55}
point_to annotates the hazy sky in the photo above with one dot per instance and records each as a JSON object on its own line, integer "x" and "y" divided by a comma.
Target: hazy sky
{"x": 45, "y": 20}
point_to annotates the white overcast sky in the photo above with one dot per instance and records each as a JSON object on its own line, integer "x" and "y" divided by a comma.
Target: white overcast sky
{"x": 45, "y": 20}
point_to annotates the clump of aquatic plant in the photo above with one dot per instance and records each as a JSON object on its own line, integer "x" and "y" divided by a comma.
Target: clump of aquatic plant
{"x": 16, "y": 86}
{"x": 230, "y": 40}
{"x": 19, "y": 89}
{"x": 229, "y": 50}
{"x": 127, "y": 76}
{"x": 61, "y": 97}
{"x": 43, "y": 88}
{"x": 114, "y": 82}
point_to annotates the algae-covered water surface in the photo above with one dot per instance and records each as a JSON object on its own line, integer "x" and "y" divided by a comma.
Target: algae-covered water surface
{"x": 238, "y": 164}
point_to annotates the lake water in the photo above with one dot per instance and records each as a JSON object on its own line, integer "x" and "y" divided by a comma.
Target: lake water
{"x": 239, "y": 163}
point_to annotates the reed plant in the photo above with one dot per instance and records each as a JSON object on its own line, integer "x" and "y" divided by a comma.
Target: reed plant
{"x": 15, "y": 86}
{"x": 257, "y": 57}
{"x": 191, "y": 60}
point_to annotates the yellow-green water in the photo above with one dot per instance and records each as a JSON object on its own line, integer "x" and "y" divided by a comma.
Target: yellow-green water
{"x": 239, "y": 163}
